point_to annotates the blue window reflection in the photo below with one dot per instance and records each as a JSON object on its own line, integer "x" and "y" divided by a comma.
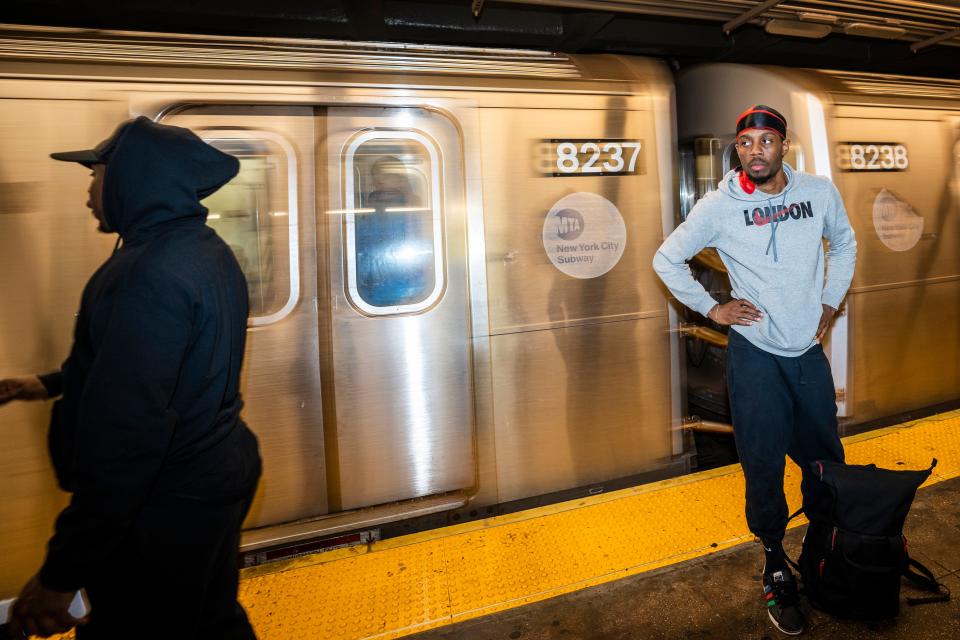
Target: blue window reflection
{"x": 394, "y": 228}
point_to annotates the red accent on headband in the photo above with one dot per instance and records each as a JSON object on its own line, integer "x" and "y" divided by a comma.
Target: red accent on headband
{"x": 746, "y": 113}
{"x": 746, "y": 183}
{"x": 754, "y": 109}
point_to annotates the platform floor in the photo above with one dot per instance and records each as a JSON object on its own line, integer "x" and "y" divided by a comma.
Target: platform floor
{"x": 407, "y": 585}
{"x": 512, "y": 575}
{"x": 717, "y": 597}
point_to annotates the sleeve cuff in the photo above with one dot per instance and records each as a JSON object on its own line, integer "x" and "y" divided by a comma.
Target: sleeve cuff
{"x": 703, "y": 308}
{"x": 52, "y": 382}
{"x": 831, "y": 299}
{"x": 52, "y": 580}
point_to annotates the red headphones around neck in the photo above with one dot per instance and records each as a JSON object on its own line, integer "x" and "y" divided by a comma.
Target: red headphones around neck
{"x": 746, "y": 183}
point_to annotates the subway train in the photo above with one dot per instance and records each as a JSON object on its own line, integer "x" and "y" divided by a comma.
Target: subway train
{"x": 448, "y": 252}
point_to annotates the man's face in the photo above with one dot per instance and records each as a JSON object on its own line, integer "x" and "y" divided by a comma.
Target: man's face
{"x": 95, "y": 201}
{"x": 761, "y": 153}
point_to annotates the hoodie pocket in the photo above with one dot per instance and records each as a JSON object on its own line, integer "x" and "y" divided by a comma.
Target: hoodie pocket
{"x": 790, "y": 317}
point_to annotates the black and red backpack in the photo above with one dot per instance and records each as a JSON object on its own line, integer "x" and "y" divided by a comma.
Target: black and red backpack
{"x": 854, "y": 553}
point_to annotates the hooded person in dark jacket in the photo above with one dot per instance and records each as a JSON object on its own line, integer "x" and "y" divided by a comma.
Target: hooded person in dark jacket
{"x": 147, "y": 435}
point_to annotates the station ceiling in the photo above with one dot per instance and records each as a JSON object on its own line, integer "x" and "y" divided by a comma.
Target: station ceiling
{"x": 894, "y": 36}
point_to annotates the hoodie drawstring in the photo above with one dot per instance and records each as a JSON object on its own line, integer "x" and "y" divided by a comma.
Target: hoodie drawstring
{"x": 774, "y": 225}
{"x": 773, "y": 241}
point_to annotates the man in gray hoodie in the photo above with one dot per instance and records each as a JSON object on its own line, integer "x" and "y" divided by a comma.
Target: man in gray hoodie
{"x": 767, "y": 222}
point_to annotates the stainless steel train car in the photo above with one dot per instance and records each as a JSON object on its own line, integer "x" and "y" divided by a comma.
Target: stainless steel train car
{"x": 892, "y": 146}
{"x": 448, "y": 253}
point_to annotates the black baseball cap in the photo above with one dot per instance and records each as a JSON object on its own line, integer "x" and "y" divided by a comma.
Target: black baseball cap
{"x": 100, "y": 154}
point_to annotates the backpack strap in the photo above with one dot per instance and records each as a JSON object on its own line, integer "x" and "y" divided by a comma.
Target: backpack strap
{"x": 793, "y": 564}
{"x": 790, "y": 561}
{"x": 924, "y": 579}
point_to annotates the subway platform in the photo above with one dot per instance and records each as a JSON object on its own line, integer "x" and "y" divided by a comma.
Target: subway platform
{"x": 717, "y": 597}
{"x": 671, "y": 559}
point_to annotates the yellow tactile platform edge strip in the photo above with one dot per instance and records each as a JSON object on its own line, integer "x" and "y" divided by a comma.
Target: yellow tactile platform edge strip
{"x": 405, "y": 585}
{"x": 413, "y": 583}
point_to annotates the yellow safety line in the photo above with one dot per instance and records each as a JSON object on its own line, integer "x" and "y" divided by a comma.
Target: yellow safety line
{"x": 412, "y": 583}
{"x": 485, "y": 523}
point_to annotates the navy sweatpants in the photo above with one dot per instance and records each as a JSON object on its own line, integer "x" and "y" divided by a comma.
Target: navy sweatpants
{"x": 781, "y": 406}
{"x": 175, "y": 578}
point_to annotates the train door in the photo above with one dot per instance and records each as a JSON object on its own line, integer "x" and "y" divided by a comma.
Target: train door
{"x": 349, "y": 224}
{"x": 397, "y": 310}
{"x": 266, "y": 215}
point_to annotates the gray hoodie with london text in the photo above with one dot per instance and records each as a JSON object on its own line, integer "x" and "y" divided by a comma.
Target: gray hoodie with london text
{"x": 772, "y": 248}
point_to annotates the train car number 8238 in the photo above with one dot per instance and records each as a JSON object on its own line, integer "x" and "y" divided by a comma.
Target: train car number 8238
{"x": 872, "y": 156}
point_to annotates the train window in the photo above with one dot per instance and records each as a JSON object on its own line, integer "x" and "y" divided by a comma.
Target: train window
{"x": 730, "y": 158}
{"x": 256, "y": 214}
{"x": 701, "y": 169}
{"x": 394, "y": 224}
{"x": 687, "y": 174}
{"x": 795, "y": 157}
{"x": 708, "y": 166}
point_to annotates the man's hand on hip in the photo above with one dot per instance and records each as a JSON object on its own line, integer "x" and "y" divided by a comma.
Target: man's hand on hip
{"x": 740, "y": 312}
{"x": 825, "y": 319}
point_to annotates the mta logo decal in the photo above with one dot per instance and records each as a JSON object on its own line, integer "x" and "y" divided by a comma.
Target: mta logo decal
{"x": 569, "y": 224}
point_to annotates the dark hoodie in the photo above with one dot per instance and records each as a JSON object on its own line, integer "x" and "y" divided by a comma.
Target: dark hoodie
{"x": 150, "y": 412}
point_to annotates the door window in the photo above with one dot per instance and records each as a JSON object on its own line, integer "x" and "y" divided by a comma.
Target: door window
{"x": 394, "y": 224}
{"x": 256, "y": 215}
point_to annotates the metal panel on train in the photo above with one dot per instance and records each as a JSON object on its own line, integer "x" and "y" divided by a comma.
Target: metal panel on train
{"x": 580, "y": 364}
{"x": 416, "y": 341}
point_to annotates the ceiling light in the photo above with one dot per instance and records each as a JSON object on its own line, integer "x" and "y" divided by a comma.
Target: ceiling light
{"x": 873, "y": 30}
{"x": 810, "y": 16}
{"x": 780, "y": 27}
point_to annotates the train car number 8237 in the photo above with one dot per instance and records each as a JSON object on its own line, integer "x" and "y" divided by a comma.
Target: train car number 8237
{"x": 592, "y": 157}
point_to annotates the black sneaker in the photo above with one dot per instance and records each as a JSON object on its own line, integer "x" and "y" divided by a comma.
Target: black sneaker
{"x": 783, "y": 603}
